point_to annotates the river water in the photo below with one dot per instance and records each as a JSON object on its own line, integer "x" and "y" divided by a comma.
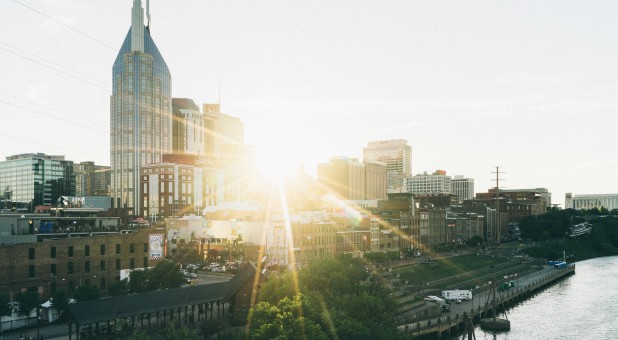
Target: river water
{"x": 582, "y": 306}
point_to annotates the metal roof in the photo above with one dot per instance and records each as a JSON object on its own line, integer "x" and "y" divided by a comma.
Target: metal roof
{"x": 92, "y": 311}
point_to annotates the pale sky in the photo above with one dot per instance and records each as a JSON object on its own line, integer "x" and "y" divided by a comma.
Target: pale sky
{"x": 530, "y": 86}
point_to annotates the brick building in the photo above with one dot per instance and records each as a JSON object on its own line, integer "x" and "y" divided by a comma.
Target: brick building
{"x": 72, "y": 261}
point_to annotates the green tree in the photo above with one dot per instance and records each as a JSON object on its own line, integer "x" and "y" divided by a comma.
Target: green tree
{"x": 166, "y": 274}
{"x": 141, "y": 281}
{"x": 277, "y": 288}
{"x": 28, "y": 301}
{"x": 60, "y": 301}
{"x": 176, "y": 332}
{"x": 283, "y": 321}
{"x": 119, "y": 288}
{"x": 87, "y": 292}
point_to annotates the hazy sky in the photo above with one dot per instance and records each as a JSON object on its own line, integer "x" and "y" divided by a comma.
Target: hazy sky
{"x": 530, "y": 86}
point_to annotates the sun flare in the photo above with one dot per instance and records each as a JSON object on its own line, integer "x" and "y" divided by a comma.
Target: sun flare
{"x": 275, "y": 163}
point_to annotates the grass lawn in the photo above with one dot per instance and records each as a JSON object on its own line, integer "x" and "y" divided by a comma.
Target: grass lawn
{"x": 422, "y": 273}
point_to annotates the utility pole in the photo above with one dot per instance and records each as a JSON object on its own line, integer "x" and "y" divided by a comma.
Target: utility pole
{"x": 497, "y": 231}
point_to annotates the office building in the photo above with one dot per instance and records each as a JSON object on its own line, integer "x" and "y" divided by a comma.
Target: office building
{"x": 187, "y": 127}
{"x": 353, "y": 180}
{"x": 91, "y": 179}
{"x": 29, "y": 180}
{"x": 141, "y": 112}
{"x": 396, "y": 154}
{"x": 436, "y": 183}
{"x": 170, "y": 189}
{"x": 463, "y": 188}
{"x": 224, "y": 133}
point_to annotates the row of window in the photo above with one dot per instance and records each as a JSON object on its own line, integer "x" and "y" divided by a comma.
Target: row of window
{"x": 87, "y": 267}
{"x": 71, "y": 250}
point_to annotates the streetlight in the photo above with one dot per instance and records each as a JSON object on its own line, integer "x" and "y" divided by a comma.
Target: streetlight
{"x": 38, "y": 323}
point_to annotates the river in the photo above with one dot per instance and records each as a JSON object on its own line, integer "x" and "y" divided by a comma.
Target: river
{"x": 582, "y": 306}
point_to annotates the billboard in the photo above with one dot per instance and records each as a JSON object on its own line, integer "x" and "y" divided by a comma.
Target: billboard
{"x": 155, "y": 246}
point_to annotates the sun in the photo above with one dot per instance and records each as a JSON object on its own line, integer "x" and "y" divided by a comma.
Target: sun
{"x": 275, "y": 163}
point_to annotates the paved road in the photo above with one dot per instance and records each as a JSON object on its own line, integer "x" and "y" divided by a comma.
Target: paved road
{"x": 480, "y": 298}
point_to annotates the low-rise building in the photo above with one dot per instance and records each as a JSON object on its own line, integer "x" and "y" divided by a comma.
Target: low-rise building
{"x": 70, "y": 260}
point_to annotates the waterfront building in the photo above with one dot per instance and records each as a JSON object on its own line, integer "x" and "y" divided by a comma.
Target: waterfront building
{"x": 591, "y": 201}
{"x": 141, "y": 112}
{"x": 463, "y": 188}
{"x": 436, "y": 183}
{"x": 352, "y": 180}
{"x": 396, "y": 154}
{"x": 33, "y": 179}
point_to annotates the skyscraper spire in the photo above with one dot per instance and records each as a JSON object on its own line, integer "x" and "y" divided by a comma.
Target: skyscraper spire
{"x": 137, "y": 27}
{"x": 148, "y": 14}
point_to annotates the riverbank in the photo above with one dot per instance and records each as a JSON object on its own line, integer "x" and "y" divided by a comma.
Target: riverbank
{"x": 453, "y": 322}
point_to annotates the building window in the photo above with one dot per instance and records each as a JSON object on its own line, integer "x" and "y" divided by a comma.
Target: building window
{"x": 53, "y": 287}
{"x": 131, "y": 263}
{"x": 87, "y": 250}
{"x": 117, "y": 264}
{"x": 70, "y": 251}
{"x": 102, "y": 249}
{"x": 103, "y": 283}
{"x": 146, "y": 247}
{"x": 31, "y": 253}
{"x": 53, "y": 252}
{"x": 87, "y": 267}
{"x": 53, "y": 269}
{"x": 132, "y": 248}
{"x": 70, "y": 268}
{"x": 145, "y": 261}
{"x": 102, "y": 265}
{"x": 118, "y": 249}
{"x": 31, "y": 271}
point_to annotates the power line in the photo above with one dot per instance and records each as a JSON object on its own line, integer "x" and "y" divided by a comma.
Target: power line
{"x": 46, "y": 108}
{"x": 65, "y": 25}
{"x": 50, "y": 116}
{"x": 55, "y": 64}
{"x": 55, "y": 69}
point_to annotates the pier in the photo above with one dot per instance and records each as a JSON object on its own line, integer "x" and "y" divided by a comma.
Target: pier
{"x": 478, "y": 308}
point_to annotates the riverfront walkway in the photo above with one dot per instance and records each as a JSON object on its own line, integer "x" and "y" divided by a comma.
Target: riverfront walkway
{"x": 478, "y": 306}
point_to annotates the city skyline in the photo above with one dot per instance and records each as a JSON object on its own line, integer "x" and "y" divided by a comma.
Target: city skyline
{"x": 529, "y": 87}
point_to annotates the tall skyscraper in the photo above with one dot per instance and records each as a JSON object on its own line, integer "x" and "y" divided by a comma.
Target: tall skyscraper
{"x": 141, "y": 111}
{"x": 396, "y": 154}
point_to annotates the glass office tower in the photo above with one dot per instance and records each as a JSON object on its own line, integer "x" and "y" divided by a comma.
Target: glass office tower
{"x": 141, "y": 112}
{"x": 30, "y": 180}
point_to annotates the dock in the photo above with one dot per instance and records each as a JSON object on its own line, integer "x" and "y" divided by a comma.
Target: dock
{"x": 478, "y": 308}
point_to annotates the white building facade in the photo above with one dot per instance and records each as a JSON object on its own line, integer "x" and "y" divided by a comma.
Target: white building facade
{"x": 435, "y": 183}
{"x": 462, "y": 187}
{"x": 607, "y": 201}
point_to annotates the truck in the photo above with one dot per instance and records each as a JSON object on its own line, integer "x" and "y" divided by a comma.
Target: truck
{"x": 457, "y": 294}
{"x": 436, "y": 299}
